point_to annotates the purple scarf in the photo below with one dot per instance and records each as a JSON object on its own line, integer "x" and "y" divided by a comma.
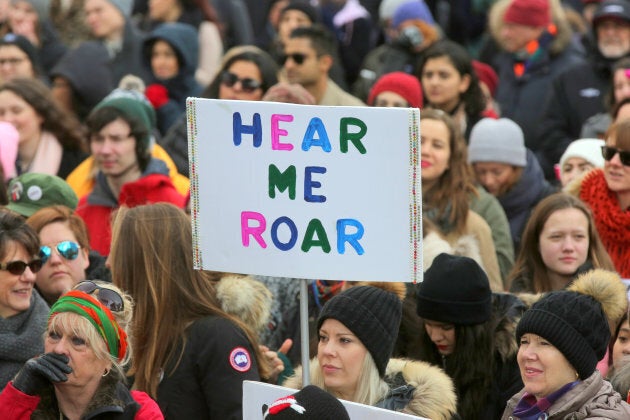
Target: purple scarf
{"x": 530, "y": 409}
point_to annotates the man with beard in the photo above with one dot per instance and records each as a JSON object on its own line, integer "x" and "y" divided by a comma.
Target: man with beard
{"x": 578, "y": 93}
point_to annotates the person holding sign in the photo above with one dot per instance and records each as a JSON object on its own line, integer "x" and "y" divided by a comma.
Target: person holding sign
{"x": 357, "y": 330}
{"x": 189, "y": 354}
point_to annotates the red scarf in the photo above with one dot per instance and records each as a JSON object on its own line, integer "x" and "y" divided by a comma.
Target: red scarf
{"x": 613, "y": 223}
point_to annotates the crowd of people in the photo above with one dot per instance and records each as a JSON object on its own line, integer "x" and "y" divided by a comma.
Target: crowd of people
{"x": 525, "y": 168}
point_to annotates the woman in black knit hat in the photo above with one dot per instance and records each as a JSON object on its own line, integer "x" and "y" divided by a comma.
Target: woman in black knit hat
{"x": 357, "y": 330}
{"x": 562, "y": 337}
{"x": 469, "y": 332}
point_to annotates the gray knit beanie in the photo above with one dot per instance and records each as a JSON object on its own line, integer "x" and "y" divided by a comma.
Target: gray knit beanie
{"x": 125, "y": 7}
{"x": 499, "y": 141}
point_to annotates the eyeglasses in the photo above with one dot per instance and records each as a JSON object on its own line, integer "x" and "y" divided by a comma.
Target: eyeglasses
{"x": 298, "y": 58}
{"x": 108, "y": 297}
{"x": 67, "y": 249}
{"x": 609, "y": 152}
{"x": 248, "y": 85}
{"x": 12, "y": 61}
{"x": 17, "y": 268}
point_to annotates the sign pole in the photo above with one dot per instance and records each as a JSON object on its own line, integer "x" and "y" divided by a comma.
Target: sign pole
{"x": 304, "y": 333}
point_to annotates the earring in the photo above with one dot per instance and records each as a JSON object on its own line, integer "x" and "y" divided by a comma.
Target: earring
{"x": 577, "y": 375}
{"x": 106, "y": 373}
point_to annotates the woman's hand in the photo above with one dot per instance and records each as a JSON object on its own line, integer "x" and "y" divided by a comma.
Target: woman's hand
{"x": 41, "y": 371}
{"x": 277, "y": 366}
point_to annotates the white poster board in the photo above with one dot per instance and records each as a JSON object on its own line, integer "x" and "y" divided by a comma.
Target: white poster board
{"x": 305, "y": 191}
{"x": 255, "y": 394}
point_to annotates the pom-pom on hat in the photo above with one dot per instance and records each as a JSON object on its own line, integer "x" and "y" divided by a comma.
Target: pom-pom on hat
{"x": 412, "y": 10}
{"x": 499, "y": 141}
{"x": 534, "y": 13}
{"x": 372, "y": 314}
{"x": 404, "y": 84}
{"x": 455, "y": 290}
{"x": 303, "y": 6}
{"x": 575, "y": 321}
{"x": 309, "y": 403}
{"x": 588, "y": 149}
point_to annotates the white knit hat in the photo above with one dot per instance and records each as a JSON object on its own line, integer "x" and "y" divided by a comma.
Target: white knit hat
{"x": 499, "y": 141}
{"x": 588, "y": 149}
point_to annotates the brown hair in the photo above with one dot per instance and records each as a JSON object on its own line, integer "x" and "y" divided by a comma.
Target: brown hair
{"x": 620, "y": 131}
{"x": 529, "y": 263}
{"x": 13, "y": 228}
{"x": 166, "y": 288}
{"x": 47, "y": 215}
{"x": 451, "y": 193}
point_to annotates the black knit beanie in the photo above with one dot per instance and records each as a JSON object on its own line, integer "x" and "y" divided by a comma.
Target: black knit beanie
{"x": 574, "y": 323}
{"x": 455, "y": 290}
{"x": 309, "y": 403}
{"x": 305, "y": 7}
{"x": 372, "y": 314}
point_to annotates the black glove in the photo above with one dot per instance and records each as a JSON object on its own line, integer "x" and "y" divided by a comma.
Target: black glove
{"x": 41, "y": 371}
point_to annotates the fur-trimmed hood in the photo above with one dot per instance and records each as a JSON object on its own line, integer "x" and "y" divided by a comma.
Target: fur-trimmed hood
{"x": 434, "y": 395}
{"x": 562, "y": 39}
{"x": 507, "y": 310}
{"x": 246, "y": 298}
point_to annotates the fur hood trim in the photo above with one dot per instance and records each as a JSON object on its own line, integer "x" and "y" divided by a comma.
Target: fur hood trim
{"x": 605, "y": 287}
{"x": 559, "y": 17}
{"x": 507, "y": 310}
{"x": 434, "y": 395}
{"x": 245, "y": 298}
{"x": 433, "y": 244}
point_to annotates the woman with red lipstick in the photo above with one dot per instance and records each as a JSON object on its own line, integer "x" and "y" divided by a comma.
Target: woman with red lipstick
{"x": 357, "y": 331}
{"x": 607, "y": 192}
{"x": 561, "y": 338}
{"x": 469, "y": 332}
{"x": 448, "y": 193}
{"x": 23, "y": 313}
{"x": 560, "y": 241}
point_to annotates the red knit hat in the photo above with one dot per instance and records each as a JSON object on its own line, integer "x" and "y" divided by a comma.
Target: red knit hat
{"x": 487, "y": 75}
{"x": 535, "y": 13}
{"x": 401, "y": 83}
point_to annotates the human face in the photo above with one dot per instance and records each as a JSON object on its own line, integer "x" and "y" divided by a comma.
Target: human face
{"x": 613, "y": 38}
{"x": 390, "y": 99}
{"x": 617, "y": 175}
{"x": 87, "y": 369}
{"x": 162, "y": 10}
{"x": 514, "y": 36}
{"x": 312, "y": 69}
{"x": 164, "y": 62}
{"x": 243, "y": 70}
{"x": 442, "y": 335}
{"x": 23, "y": 18}
{"x": 564, "y": 241}
{"x": 621, "y": 84}
{"x": 621, "y": 347}
{"x": 495, "y": 177}
{"x": 15, "y": 290}
{"x": 290, "y": 20}
{"x": 114, "y": 151}
{"x": 543, "y": 368}
{"x": 340, "y": 354}
{"x": 435, "y": 149}
{"x": 104, "y": 19}
{"x": 572, "y": 168}
{"x": 443, "y": 84}
{"x": 59, "y": 275}
{"x": 14, "y": 63}
{"x": 15, "y": 110}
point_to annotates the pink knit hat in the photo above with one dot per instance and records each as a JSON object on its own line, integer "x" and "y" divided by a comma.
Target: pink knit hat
{"x": 534, "y": 13}
{"x": 401, "y": 83}
{"x": 9, "y": 139}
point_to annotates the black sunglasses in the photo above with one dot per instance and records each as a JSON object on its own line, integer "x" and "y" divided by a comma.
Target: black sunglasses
{"x": 609, "y": 152}
{"x": 298, "y": 58}
{"x": 109, "y": 298}
{"x": 67, "y": 249}
{"x": 248, "y": 85}
{"x": 17, "y": 268}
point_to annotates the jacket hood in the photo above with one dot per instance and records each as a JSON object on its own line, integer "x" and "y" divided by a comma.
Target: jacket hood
{"x": 182, "y": 38}
{"x": 507, "y": 310}
{"x": 563, "y": 37}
